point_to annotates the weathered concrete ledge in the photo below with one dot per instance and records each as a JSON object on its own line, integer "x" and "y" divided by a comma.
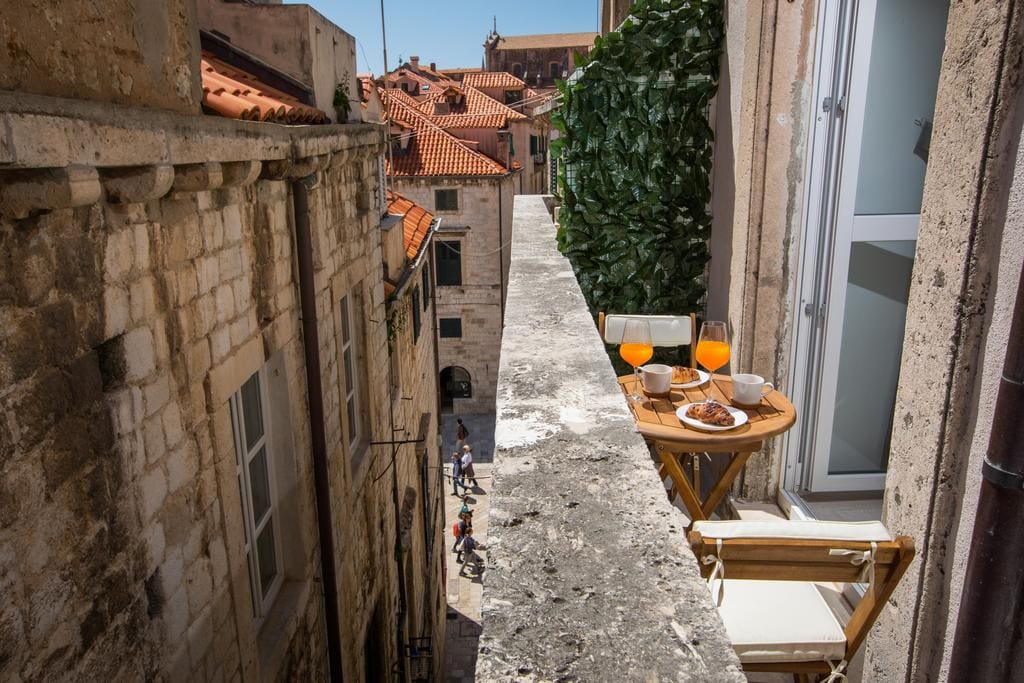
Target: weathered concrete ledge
{"x": 588, "y": 576}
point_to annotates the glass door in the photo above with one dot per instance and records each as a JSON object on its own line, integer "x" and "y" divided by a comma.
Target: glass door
{"x": 855, "y": 282}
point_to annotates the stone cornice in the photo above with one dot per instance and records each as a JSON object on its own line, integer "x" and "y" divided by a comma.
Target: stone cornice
{"x": 57, "y": 153}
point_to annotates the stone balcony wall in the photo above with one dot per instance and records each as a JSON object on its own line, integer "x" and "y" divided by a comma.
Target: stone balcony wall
{"x": 589, "y": 574}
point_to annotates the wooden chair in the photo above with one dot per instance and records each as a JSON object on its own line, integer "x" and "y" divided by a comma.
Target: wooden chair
{"x": 666, "y": 330}
{"x": 761, "y": 575}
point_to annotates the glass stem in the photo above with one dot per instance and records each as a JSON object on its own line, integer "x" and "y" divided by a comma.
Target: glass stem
{"x": 636, "y": 384}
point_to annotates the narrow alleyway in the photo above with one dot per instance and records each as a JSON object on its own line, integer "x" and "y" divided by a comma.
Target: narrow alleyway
{"x": 464, "y": 591}
{"x": 481, "y": 435}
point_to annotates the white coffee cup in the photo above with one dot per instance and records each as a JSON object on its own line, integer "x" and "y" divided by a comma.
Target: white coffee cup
{"x": 748, "y": 389}
{"x": 657, "y": 378}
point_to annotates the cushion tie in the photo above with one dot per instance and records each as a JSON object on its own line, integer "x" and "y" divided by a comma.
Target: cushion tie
{"x": 718, "y": 573}
{"x": 864, "y": 559}
{"x": 837, "y": 672}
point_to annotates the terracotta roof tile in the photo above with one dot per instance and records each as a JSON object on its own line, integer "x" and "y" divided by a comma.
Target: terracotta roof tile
{"x": 415, "y": 222}
{"x": 431, "y": 151}
{"x": 477, "y": 110}
{"x": 493, "y": 79}
{"x": 545, "y": 40}
{"x": 236, "y": 94}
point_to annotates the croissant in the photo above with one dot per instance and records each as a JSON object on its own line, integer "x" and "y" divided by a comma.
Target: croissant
{"x": 682, "y": 375}
{"x": 711, "y": 413}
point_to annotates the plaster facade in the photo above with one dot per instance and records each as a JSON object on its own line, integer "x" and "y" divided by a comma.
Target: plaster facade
{"x": 483, "y": 227}
{"x": 159, "y": 277}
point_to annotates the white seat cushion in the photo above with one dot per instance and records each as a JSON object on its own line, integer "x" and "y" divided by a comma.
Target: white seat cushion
{"x": 780, "y": 621}
{"x": 807, "y": 529}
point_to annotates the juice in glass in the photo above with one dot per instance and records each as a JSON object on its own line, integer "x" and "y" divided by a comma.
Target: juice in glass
{"x": 712, "y": 354}
{"x": 636, "y": 354}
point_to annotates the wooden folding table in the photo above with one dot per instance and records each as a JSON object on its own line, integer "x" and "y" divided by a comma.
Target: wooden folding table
{"x": 656, "y": 420}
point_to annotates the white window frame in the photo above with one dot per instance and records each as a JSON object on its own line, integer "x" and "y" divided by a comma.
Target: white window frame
{"x": 350, "y": 381}
{"x": 261, "y": 603}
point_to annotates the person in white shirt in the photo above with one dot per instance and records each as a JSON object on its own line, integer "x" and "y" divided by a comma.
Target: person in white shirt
{"x": 467, "y": 465}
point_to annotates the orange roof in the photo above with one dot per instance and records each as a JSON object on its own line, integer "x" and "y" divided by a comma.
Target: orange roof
{"x": 236, "y": 94}
{"x": 477, "y": 110}
{"x": 432, "y": 151}
{"x": 544, "y": 40}
{"x": 416, "y": 222}
{"x": 493, "y": 79}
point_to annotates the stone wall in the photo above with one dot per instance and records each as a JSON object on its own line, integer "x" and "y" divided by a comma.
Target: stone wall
{"x": 535, "y": 62}
{"x": 588, "y": 577}
{"x": 143, "y": 53}
{"x": 150, "y": 293}
{"x": 485, "y": 233}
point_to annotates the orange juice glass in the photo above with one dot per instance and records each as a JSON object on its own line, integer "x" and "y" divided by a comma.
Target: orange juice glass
{"x": 713, "y": 346}
{"x": 636, "y": 348}
{"x": 635, "y": 353}
{"x": 712, "y": 354}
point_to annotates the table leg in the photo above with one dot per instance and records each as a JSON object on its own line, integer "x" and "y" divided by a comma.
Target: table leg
{"x": 695, "y": 468}
{"x": 721, "y": 487}
{"x": 675, "y": 471}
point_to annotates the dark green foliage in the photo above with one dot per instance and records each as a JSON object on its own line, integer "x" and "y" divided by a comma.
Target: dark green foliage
{"x": 635, "y": 159}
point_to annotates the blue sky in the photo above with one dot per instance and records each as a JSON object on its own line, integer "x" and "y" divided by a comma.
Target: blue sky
{"x": 449, "y": 32}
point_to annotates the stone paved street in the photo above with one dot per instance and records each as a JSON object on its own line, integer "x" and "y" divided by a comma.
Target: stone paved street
{"x": 481, "y": 435}
{"x": 463, "y": 624}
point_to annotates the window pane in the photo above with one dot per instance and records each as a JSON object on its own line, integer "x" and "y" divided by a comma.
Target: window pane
{"x": 346, "y": 332}
{"x": 348, "y": 371}
{"x": 451, "y": 327}
{"x": 266, "y": 559}
{"x": 241, "y": 498}
{"x": 260, "y": 483}
{"x": 449, "y": 262}
{"x": 252, "y": 411}
{"x": 353, "y": 427}
{"x": 426, "y": 286}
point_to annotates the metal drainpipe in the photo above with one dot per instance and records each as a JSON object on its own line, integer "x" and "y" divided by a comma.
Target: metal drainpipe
{"x": 401, "y": 631}
{"x": 318, "y": 436}
{"x": 988, "y": 644}
{"x": 501, "y": 254}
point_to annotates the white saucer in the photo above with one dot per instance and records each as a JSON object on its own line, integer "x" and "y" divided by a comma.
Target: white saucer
{"x": 739, "y": 415}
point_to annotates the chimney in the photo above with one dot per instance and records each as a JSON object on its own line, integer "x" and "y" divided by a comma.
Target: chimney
{"x": 433, "y": 66}
{"x": 414, "y": 61}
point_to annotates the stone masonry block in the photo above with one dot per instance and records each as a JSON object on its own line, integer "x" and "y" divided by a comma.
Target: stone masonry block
{"x": 220, "y": 344}
{"x": 115, "y": 310}
{"x": 153, "y": 437}
{"x": 137, "y": 183}
{"x": 143, "y": 299}
{"x": 152, "y": 492}
{"x": 173, "y": 431}
{"x": 182, "y": 466}
{"x": 176, "y": 616}
{"x": 232, "y": 220}
{"x": 225, "y": 304}
{"x": 240, "y": 173}
{"x": 141, "y": 235}
{"x": 197, "y": 177}
{"x": 25, "y": 191}
{"x": 157, "y": 394}
{"x": 227, "y": 377}
{"x": 139, "y": 354}
{"x": 118, "y": 256}
{"x": 153, "y": 537}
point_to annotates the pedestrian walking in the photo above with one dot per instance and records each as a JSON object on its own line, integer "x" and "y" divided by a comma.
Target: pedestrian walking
{"x": 461, "y": 434}
{"x": 467, "y": 466}
{"x": 461, "y": 528}
{"x": 456, "y": 473}
{"x": 469, "y": 546}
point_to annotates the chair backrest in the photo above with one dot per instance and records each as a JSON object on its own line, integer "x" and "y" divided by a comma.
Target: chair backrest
{"x": 810, "y": 551}
{"x": 666, "y": 330}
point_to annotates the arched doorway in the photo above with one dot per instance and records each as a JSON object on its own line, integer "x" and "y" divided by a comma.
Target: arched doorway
{"x": 455, "y": 383}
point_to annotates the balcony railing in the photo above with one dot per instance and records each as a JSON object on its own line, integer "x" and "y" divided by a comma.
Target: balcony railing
{"x": 589, "y": 576}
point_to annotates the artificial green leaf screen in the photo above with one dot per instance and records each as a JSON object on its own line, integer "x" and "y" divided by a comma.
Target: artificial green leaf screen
{"x": 635, "y": 159}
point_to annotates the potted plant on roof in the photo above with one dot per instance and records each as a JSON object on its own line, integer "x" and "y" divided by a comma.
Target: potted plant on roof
{"x": 342, "y": 105}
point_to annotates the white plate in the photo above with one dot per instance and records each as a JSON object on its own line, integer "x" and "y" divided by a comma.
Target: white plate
{"x": 739, "y": 415}
{"x": 702, "y": 378}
